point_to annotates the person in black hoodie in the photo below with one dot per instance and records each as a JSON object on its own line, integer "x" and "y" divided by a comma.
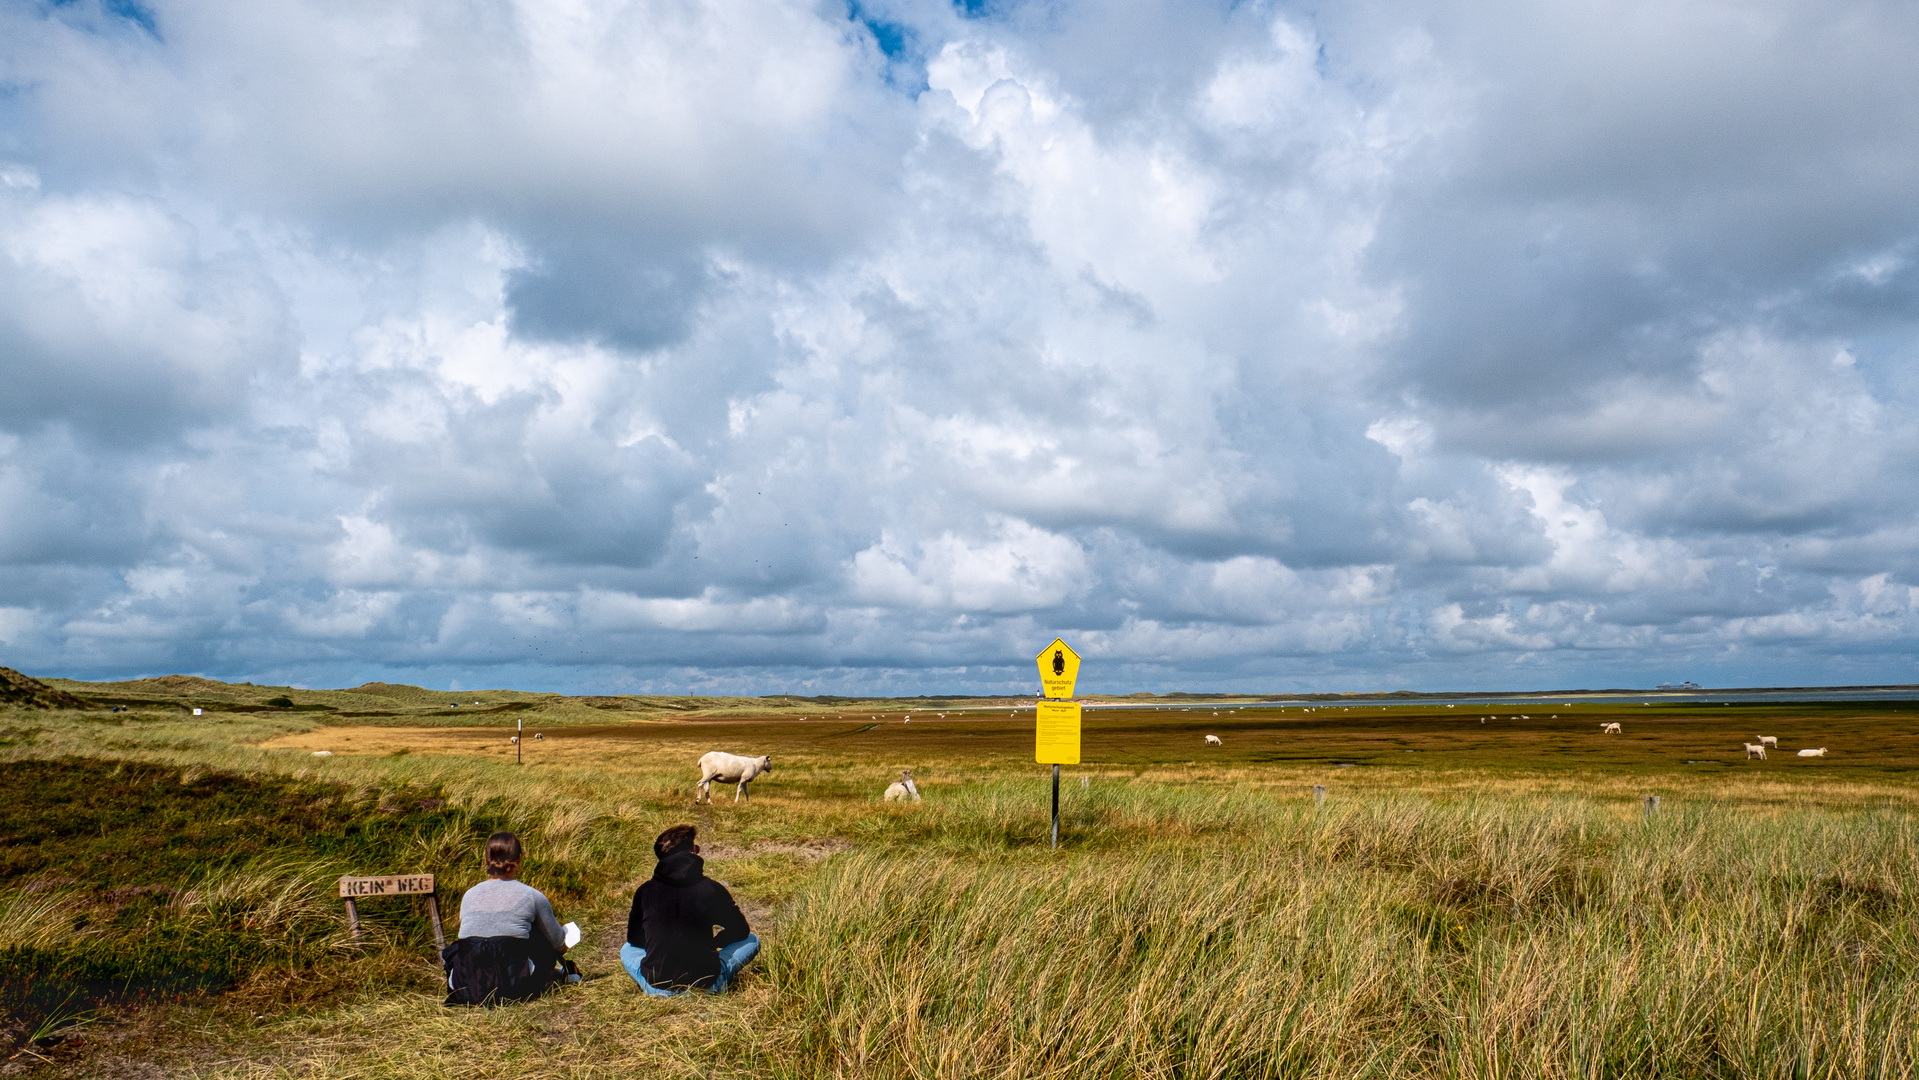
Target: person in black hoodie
{"x": 671, "y": 944}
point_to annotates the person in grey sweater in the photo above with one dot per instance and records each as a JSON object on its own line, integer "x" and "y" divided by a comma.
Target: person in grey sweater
{"x": 504, "y": 907}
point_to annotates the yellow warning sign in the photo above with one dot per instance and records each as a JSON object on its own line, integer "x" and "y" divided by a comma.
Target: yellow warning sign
{"x": 1056, "y": 733}
{"x": 1058, "y": 669}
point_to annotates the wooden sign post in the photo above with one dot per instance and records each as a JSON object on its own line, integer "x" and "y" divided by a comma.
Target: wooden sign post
{"x": 359, "y": 888}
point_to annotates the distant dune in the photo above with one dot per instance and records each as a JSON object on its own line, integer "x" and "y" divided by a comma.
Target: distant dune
{"x": 27, "y": 692}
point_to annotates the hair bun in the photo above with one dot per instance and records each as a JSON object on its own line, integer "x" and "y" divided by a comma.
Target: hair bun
{"x": 503, "y": 850}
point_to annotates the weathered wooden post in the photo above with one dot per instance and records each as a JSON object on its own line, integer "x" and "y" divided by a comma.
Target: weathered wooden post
{"x": 1319, "y": 794}
{"x": 1084, "y": 782}
{"x": 1652, "y": 806}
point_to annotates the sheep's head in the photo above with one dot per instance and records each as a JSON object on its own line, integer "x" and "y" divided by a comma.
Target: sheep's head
{"x": 766, "y": 763}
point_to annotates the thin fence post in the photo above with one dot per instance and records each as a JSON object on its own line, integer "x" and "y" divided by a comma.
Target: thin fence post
{"x": 1056, "y": 806}
{"x": 1319, "y": 794}
{"x": 1652, "y": 806}
{"x": 1084, "y": 782}
{"x": 353, "y": 919}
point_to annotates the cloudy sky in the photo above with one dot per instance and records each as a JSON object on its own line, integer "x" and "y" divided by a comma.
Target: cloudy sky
{"x": 755, "y": 346}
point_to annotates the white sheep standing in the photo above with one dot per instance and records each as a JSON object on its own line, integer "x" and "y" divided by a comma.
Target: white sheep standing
{"x": 728, "y": 769}
{"x": 1821, "y": 752}
{"x": 1769, "y": 740}
{"x": 1755, "y": 749}
{"x": 1213, "y": 740}
{"x": 902, "y": 789}
{"x": 1609, "y": 729}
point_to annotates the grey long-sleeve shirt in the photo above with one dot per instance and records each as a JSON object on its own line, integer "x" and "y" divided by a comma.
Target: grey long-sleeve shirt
{"x": 500, "y": 908}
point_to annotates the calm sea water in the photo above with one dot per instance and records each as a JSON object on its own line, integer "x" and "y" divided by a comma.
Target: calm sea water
{"x": 1658, "y": 697}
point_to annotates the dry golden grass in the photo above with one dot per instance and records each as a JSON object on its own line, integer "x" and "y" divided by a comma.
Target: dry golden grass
{"x": 1493, "y": 903}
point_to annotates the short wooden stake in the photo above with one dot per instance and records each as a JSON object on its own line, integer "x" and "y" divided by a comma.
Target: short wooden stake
{"x": 1319, "y": 794}
{"x": 1084, "y": 782}
{"x": 433, "y": 912}
{"x": 353, "y": 919}
{"x": 1652, "y": 805}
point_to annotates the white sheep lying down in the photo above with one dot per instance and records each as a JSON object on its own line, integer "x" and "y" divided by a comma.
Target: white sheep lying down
{"x": 728, "y": 769}
{"x": 1213, "y": 740}
{"x": 1821, "y": 752}
{"x": 903, "y": 788}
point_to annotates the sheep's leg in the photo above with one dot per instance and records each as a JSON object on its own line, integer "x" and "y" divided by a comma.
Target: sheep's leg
{"x": 704, "y": 787}
{"x": 740, "y": 793}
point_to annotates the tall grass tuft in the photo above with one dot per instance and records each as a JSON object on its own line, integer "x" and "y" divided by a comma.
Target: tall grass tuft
{"x": 1391, "y": 938}
{"x": 36, "y": 918}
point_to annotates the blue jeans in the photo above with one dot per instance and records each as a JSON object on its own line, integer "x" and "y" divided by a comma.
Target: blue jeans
{"x": 732, "y": 958}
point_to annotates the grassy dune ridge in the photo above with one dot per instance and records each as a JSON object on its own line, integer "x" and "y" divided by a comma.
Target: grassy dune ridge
{"x": 1472, "y": 901}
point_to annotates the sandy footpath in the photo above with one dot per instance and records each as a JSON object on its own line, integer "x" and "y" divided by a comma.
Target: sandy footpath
{"x": 491, "y": 743}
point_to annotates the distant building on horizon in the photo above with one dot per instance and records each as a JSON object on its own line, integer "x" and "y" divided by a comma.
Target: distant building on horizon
{"x": 1679, "y": 686}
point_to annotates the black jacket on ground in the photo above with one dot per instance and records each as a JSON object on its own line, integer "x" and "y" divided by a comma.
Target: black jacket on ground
{"x": 673, "y": 919}
{"x": 495, "y": 970}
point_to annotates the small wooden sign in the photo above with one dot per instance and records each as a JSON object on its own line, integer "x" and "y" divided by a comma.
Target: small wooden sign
{"x": 360, "y": 888}
{"x": 393, "y": 885}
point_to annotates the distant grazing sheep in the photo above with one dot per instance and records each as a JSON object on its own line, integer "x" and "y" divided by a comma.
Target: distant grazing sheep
{"x": 1821, "y": 752}
{"x": 902, "y": 789}
{"x": 728, "y": 769}
{"x": 537, "y": 736}
{"x": 1213, "y": 740}
{"x": 1755, "y": 750}
{"x": 323, "y": 753}
{"x": 1769, "y": 740}
{"x": 514, "y": 739}
{"x": 1609, "y": 729}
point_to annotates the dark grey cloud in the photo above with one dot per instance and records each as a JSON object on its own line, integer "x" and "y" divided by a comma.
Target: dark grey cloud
{"x": 757, "y": 347}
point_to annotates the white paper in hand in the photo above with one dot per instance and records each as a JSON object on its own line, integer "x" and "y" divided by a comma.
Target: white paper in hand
{"x": 572, "y": 934}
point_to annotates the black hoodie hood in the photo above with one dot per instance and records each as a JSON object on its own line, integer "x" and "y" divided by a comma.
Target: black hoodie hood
{"x": 680, "y": 868}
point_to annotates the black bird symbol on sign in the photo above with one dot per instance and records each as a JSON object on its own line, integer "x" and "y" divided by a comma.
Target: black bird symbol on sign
{"x": 1059, "y": 662}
